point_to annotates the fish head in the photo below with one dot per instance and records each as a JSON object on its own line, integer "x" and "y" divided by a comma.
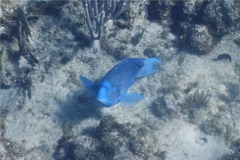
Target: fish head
{"x": 108, "y": 95}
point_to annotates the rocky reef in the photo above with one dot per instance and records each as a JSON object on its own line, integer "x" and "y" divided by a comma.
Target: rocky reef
{"x": 190, "y": 108}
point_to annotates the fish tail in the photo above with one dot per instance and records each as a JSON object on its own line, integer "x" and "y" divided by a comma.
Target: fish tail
{"x": 150, "y": 67}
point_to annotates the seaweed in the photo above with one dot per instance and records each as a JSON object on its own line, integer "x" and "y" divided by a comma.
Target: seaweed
{"x": 197, "y": 100}
{"x": 160, "y": 109}
{"x": 194, "y": 102}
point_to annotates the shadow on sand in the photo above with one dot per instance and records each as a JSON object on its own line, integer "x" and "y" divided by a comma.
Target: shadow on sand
{"x": 78, "y": 107}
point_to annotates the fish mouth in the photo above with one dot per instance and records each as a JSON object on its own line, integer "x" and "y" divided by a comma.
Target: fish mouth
{"x": 104, "y": 102}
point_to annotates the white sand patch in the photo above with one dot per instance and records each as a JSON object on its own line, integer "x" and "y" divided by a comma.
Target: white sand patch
{"x": 185, "y": 141}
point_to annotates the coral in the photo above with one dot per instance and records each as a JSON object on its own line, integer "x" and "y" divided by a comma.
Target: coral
{"x": 149, "y": 52}
{"x": 234, "y": 91}
{"x": 114, "y": 136}
{"x": 12, "y": 150}
{"x": 237, "y": 41}
{"x": 237, "y": 69}
{"x": 3, "y": 114}
{"x": 190, "y": 87}
{"x": 18, "y": 60}
{"x": 196, "y": 22}
{"x": 192, "y": 8}
{"x": 96, "y": 14}
{"x": 109, "y": 140}
{"x": 65, "y": 149}
{"x": 136, "y": 38}
{"x": 213, "y": 127}
{"x": 220, "y": 17}
{"x": 235, "y": 146}
{"x": 153, "y": 10}
{"x": 200, "y": 39}
{"x": 223, "y": 123}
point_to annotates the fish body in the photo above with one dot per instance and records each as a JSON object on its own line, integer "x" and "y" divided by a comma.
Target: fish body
{"x": 224, "y": 56}
{"x": 113, "y": 87}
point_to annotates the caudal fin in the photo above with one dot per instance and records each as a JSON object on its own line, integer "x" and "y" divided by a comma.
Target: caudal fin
{"x": 150, "y": 67}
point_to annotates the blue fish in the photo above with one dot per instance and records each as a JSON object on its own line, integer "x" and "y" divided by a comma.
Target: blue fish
{"x": 113, "y": 87}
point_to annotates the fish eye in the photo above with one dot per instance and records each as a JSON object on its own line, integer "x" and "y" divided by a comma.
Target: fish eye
{"x": 106, "y": 85}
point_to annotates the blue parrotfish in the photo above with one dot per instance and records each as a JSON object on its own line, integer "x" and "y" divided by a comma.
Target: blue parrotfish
{"x": 113, "y": 87}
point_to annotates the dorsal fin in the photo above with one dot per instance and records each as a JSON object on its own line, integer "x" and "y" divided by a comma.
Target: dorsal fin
{"x": 87, "y": 83}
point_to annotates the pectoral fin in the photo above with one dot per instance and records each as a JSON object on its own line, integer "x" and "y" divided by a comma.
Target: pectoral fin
{"x": 87, "y": 83}
{"x": 130, "y": 99}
